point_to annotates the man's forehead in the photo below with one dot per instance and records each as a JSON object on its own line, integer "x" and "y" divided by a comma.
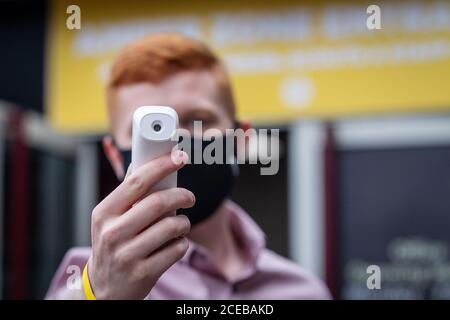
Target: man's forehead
{"x": 182, "y": 86}
{"x": 137, "y": 93}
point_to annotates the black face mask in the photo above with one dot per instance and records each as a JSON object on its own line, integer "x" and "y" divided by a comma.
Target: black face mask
{"x": 210, "y": 183}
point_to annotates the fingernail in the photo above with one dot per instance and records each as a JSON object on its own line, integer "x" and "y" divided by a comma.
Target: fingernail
{"x": 179, "y": 157}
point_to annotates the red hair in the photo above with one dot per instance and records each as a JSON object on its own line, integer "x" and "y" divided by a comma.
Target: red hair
{"x": 156, "y": 57}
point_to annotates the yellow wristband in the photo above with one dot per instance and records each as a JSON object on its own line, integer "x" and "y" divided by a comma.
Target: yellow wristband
{"x": 87, "y": 285}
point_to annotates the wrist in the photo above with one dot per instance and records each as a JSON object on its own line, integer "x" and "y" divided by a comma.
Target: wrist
{"x": 87, "y": 288}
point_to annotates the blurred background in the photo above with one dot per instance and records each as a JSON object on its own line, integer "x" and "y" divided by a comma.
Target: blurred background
{"x": 364, "y": 119}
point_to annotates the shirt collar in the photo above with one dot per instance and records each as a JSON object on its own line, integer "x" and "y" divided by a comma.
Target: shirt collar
{"x": 244, "y": 229}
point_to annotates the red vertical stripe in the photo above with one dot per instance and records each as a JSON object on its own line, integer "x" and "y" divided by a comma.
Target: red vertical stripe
{"x": 18, "y": 222}
{"x": 330, "y": 194}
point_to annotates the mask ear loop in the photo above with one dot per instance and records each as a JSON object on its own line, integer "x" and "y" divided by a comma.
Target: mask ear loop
{"x": 112, "y": 140}
{"x": 123, "y": 153}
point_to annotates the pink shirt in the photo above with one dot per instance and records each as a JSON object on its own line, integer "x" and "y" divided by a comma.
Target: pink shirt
{"x": 268, "y": 276}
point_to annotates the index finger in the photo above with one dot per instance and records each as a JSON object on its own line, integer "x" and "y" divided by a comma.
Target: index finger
{"x": 140, "y": 181}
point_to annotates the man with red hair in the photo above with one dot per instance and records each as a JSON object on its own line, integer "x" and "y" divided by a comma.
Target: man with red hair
{"x": 137, "y": 250}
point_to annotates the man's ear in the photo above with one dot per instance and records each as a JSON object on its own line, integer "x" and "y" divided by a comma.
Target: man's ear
{"x": 245, "y": 125}
{"x": 114, "y": 156}
{"x": 243, "y": 148}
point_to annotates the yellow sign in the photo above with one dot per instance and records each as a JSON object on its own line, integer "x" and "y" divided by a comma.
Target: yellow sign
{"x": 287, "y": 59}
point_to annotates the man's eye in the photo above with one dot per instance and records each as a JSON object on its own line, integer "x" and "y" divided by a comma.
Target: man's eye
{"x": 204, "y": 122}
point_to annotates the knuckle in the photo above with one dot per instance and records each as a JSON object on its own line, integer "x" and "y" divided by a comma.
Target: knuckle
{"x": 186, "y": 222}
{"x": 97, "y": 212}
{"x": 136, "y": 183}
{"x": 139, "y": 272}
{"x": 110, "y": 235}
{"x": 123, "y": 258}
{"x": 157, "y": 201}
{"x": 181, "y": 247}
{"x": 96, "y": 222}
{"x": 172, "y": 225}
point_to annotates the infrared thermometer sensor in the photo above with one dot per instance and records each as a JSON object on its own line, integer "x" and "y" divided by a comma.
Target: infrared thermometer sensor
{"x": 154, "y": 129}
